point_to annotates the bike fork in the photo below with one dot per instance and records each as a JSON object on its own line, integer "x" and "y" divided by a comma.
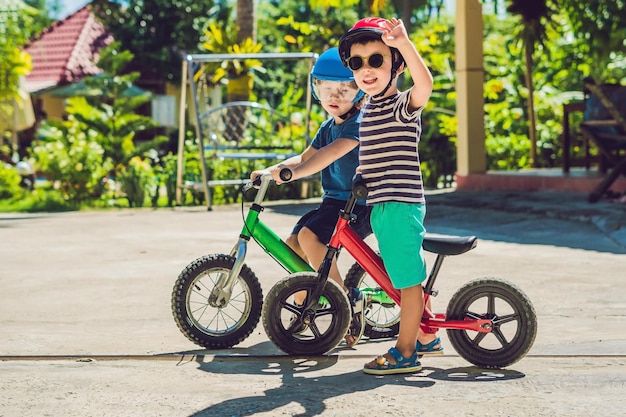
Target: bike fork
{"x": 223, "y": 289}
{"x": 316, "y": 293}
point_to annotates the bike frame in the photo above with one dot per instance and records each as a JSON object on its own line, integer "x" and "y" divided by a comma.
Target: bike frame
{"x": 371, "y": 262}
{"x": 269, "y": 241}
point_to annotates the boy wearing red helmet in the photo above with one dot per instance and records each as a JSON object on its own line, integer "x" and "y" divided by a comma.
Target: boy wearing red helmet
{"x": 377, "y": 51}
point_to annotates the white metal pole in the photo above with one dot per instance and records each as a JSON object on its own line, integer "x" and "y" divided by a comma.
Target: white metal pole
{"x": 180, "y": 169}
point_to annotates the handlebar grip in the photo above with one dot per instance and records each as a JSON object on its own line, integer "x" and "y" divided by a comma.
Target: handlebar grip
{"x": 285, "y": 174}
{"x": 359, "y": 189}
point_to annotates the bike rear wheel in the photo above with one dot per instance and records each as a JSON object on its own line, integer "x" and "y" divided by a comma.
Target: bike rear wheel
{"x": 513, "y": 316}
{"x": 382, "y": 315}
{"x": 325, "y": 327}
{"x": 210, "y": 326}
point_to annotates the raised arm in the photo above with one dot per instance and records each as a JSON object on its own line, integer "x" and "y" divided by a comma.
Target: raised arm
{"x": 396, "y": 36}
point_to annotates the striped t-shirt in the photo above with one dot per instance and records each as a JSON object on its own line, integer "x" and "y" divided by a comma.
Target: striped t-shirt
{"x": 388, "y": 155}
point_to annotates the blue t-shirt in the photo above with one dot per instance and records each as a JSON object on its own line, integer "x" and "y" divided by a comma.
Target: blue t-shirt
{"x": 337, "y": 177}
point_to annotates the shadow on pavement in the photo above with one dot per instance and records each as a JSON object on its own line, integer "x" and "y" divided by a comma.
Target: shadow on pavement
{"x": 303, "y": 384}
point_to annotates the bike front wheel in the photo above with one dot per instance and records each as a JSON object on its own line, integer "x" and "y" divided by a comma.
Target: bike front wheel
{"x": 208, "y": 325}
{"x": 513, "y": 317}
{"x": 298, "y": 331}
{"x": 382, "y": 315}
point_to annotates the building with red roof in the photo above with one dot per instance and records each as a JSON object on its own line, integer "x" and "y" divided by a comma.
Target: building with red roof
{"x": 66, "y": 51}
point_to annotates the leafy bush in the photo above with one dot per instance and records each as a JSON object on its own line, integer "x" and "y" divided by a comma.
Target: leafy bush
{"x": 135, "y": 179}
{"x": 165, "y": 174}
{"x": 72, "y": 160}
{"x": 41, "y": 199}
{"x": 9, "y": 183}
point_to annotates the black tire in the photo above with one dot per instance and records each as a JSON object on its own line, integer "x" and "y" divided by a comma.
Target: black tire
{"x": 282, "y": 319}
{"x": 382, "y": 317}
{"x": 209, "y": 326}
{"x": 514, "y": 329}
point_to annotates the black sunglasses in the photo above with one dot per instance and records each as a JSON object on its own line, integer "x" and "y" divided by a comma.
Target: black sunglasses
{"x": 355, "y": 62}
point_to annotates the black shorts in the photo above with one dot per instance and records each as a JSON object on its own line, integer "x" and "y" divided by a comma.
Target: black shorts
{"x": 322, "y": 220}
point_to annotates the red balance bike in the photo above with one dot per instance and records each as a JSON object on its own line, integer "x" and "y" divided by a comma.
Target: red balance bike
{"x": 490, "y": 322}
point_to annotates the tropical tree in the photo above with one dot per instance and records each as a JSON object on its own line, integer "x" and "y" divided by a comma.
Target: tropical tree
{"x": 15, "y": 20}
{"x": 157, "y": 32}
{"x": 14, "y": 63}
{"x": 246, "y": 20}
{"x": 41, "y": 19}
{"x": 237, "y": 73}
{"x": 534, "y": 16}
{"x": 600, "y": 28}
{"x": 109, "y": 110}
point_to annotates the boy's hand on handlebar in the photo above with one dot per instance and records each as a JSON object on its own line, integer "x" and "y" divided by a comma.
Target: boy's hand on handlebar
{"x": 255, "y": 174}
{"x": 275, "y": 173}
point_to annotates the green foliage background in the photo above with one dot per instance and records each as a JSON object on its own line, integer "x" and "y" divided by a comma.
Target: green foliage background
{"x": 579, "y": 39}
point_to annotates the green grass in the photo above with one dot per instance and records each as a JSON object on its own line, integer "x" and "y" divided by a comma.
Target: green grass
{"x": 49, "y": 200}
{"x": 37, "y": 201}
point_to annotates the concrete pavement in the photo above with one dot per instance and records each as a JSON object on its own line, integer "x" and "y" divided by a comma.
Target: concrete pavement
{"x": 86, "y": 327}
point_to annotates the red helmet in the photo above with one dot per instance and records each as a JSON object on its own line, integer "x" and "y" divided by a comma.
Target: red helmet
{"x": 364, "y": 27}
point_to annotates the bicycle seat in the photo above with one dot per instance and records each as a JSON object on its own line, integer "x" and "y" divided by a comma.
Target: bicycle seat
{"x": 449, "y": 245}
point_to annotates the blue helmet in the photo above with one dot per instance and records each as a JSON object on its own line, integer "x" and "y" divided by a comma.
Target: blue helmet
{"x": 328, "y": 67}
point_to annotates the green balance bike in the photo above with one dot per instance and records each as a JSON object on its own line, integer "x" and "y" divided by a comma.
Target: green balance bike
{"x": 217, "y": 299}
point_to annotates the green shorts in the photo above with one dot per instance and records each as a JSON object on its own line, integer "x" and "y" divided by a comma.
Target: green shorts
{"x": 399, "y": 230}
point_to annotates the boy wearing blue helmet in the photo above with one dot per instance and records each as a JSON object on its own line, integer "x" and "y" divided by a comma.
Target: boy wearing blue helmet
{"x": 335, "y": 152}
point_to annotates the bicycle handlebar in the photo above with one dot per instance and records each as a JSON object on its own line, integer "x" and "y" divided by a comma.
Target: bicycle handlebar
{"x": 255, "y": 183}
{"x": 285, "y": 175}
{"x": 359, "y": 189}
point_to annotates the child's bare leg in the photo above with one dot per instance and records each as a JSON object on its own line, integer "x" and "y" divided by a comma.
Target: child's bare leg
{"x": 294, "y": 244}
{"x": 316, "y": 251}
{"x": 410, "y": 317}
{"x": 426, "y": 338}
